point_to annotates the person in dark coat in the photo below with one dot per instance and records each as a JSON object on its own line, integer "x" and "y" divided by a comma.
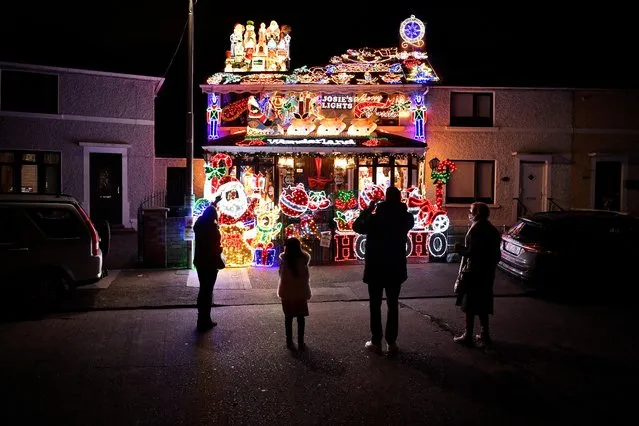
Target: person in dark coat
{"x": 481, "y": 254}
{"x": 386, "y": 226}
{"x": 207, "y": 260}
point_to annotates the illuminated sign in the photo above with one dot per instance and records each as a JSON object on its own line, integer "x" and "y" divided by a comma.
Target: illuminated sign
{"x": 337, "y": 102}
{"x": 320, "y": 141}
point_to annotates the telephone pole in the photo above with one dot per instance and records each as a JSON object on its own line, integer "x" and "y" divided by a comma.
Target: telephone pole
{"x": 189, "y": 197}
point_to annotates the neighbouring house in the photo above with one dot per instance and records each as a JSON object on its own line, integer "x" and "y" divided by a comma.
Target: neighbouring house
{"x": 89, "y": 134}
{"x": 511, "y": 148}
{"x": 605, "y": 150}
{"x": 524, "y": 150}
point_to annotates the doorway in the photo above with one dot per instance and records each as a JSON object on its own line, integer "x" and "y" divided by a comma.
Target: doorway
{"x": 531, "y": 185}
{"x": 106, "y": 187}
{"x": 608, "y": 177}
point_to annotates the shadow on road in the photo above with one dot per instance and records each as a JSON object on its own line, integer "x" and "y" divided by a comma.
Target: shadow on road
{"x": 320, "y": 361}
{"x": 22, "y": 305}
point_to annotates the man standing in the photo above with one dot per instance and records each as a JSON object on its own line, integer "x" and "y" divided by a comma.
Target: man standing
{"x": 386, "y": 226}
{"x": 481, "y": 254}
{"x": 207, "y": 260}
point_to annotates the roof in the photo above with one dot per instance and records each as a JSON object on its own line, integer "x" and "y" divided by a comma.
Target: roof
{"x": 382, "y": 142}
{"x": 375, "y": 69}
{"x": 14, "y": 66}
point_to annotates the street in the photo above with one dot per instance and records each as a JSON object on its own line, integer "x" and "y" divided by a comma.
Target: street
{"x": 550, "y": 364}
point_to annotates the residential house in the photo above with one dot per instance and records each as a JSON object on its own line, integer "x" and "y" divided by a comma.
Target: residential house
{"x": 605, "y": 151}
{"x": 511, "y": 146}
{"x": 86, "y": 133}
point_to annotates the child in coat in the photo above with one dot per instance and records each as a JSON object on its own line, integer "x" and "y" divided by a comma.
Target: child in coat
{"x": 294, "y": 289}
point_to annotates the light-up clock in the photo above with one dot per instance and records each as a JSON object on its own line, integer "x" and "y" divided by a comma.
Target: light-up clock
{"x": 412, "y": 31}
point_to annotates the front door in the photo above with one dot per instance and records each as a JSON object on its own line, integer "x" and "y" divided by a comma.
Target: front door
{"x": 106, "y": 187}
{"x": 608, "y": 185}
{"x": 531, "y": 185}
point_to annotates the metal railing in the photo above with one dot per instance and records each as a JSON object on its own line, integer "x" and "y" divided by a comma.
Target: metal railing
{"x": 552, "y": 205}
{"x": 522, "y": 210}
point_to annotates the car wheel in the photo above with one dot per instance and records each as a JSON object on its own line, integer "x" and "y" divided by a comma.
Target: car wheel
{"x": 104, "y": 231}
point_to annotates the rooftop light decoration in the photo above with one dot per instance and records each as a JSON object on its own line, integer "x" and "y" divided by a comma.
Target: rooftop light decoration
{"x": 263, "y": 58}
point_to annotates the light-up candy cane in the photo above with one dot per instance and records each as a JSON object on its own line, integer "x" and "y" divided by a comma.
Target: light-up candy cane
{"x": 440, "y": 174}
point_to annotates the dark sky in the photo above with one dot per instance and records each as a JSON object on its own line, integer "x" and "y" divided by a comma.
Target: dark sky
{"x": 522, "y": 45}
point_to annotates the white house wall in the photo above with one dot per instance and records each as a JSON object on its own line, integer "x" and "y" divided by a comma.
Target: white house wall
{"x": 537, "y": 122}
{"x": 94, "y": 110}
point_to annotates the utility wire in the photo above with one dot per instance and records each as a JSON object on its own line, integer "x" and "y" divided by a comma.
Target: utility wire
{"x": 177, "y": 49}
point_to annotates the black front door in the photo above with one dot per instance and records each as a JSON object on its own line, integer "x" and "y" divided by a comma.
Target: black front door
{"x": 106, "y": 187}
{"x": 608, "y": 185}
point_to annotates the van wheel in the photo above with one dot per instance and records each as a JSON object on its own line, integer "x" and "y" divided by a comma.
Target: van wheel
{"x": 104, "y": 231}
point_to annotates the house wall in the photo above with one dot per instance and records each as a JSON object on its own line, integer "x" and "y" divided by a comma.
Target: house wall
{"x": 97, "y": 113}
{"x": 526, "y": 122}
{"x": 160, "y": 171}
{"x": 606, "y": 127}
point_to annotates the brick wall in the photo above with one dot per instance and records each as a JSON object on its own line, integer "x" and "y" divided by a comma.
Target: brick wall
{"x": 154, "y": 232}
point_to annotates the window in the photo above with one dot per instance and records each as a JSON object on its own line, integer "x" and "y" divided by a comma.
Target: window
{"x": 57, "y": 222}
{"x": 401, "y": 173}
{"x": 30, "y": 172}
{"x": 472, "y": 181}
{"x": 471, "y": 109}
{"x": 28, "y": 92}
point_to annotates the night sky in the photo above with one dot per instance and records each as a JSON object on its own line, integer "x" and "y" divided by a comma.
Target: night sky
{"x": 522, "y": 45}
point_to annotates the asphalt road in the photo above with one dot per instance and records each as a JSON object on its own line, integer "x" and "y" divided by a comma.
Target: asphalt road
{"x": 551, "y": 364}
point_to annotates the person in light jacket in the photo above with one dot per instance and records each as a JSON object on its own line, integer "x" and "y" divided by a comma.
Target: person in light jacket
{"x": 294, "y": 290}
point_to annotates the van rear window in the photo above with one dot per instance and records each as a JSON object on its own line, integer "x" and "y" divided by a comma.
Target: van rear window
{"x": 57, "y": 222}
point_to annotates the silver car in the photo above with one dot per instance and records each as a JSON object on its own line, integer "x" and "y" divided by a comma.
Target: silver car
{"x": 47, "y": 239}
{"x": 570, "y": 247}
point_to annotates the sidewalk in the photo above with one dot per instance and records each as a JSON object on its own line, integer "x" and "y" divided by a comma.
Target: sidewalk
{"x": 144, "y": 288}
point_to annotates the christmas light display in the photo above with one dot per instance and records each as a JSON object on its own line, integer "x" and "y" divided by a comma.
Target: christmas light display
{"x": 440, "y": 174}
{"x": 266, "y": 50}
{"x": 294, "y": 200}
{"x": 370, "y": 193}
{"x": 317, "y": 200}
{"x": 311, "y": 122}
{"x": 318, "y": 182}
{"x": 412, "y": 32}
{"x": 199, "y": 206}
{"x": 236, "y": 249}
{"x": 418, "y": 109}
{"x": 234, "y": 201}
{"x": 345, "y": 210}
{"x": 213, "y": 116}
{"x": 216, "y": 171}
{"x": 267, "y": 228}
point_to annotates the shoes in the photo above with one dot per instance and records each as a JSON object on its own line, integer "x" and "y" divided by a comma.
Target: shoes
{"x": 301, "y": 347}
{"x": 373, "y": 347}
{"x": 464, "y": 340}
{"x": 205, "y": 325}
{"x": 483, "y": 339}
{"x": 290, "y": 345}
{"x": 393, "y": 349}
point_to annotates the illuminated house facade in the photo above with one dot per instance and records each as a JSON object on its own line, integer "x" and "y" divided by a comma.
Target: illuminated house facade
{"x": 300, "y": 152}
